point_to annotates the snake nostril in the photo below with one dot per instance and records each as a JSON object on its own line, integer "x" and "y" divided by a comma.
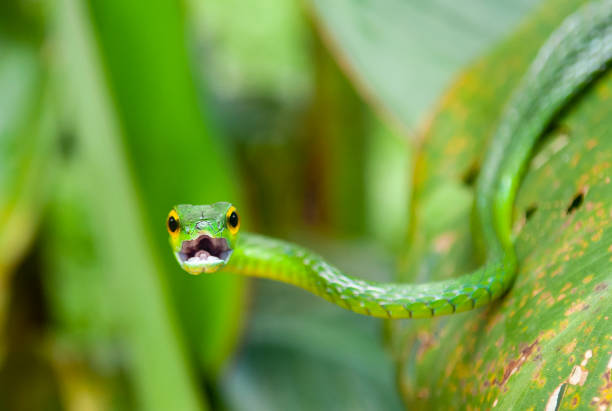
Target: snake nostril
{"x": 203, "y": 226}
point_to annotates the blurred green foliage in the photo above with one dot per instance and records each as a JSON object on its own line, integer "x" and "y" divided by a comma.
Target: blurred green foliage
{"x": 302, "y": 114}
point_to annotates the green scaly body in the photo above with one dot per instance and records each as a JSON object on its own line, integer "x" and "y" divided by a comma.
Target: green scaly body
{"x": 578, "y": 50}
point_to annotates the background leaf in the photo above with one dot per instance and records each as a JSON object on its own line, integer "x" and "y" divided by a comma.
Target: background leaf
{"x": 143, "y": 320}
{"x": 176, "y": 157}
{"x": 402, "y": 54}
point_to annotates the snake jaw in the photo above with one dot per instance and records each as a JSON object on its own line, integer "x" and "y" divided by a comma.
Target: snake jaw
{"x": 203, "y": 254}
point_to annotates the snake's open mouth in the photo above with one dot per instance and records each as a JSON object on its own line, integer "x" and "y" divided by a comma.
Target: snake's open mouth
{"x": 204, "y": 254}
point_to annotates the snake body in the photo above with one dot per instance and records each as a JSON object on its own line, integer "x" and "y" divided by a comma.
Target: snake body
{"x": 205, "y": 238}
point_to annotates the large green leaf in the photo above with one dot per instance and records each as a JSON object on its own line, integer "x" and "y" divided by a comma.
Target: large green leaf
{"x": 144, "y": 322}
{"x": 177, "y": 158}
{"x": 401, "y": 54}
{"x": 548, "y": 343}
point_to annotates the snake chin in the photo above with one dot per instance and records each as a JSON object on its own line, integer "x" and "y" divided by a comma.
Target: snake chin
{"x": 204, "y": 254}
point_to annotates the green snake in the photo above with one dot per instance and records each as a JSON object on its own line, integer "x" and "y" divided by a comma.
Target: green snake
{"x": 206, "y": 238}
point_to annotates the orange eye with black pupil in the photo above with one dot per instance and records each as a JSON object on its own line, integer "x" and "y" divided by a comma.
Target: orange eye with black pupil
{"x": 173, "y": 223}
{"x": 233, "y": 220}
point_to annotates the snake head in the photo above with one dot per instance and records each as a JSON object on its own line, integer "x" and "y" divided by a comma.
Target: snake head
{"x": 202, "y": 237}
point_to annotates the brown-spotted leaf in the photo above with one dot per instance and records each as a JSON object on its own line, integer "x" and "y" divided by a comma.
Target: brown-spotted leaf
{"x": 548, "y": 343}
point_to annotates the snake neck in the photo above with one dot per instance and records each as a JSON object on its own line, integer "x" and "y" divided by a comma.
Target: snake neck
{"x": 263, "y": 257}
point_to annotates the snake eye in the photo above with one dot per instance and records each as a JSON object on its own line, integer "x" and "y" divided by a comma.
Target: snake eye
{"x": 173, "y": 223}
{"x": 233, "y": 220}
